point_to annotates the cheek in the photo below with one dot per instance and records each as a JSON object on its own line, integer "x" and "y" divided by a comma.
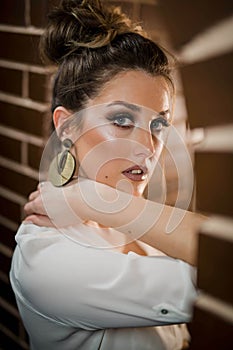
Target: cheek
{"x": 94, "y": 137}
{"x": 110, "y": 169}
{"x": 95, "y": 152}
{"x": 158, "y": 147}
{"x": 90, "y": 140}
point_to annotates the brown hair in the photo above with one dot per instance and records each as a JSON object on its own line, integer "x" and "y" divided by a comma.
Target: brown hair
{"x": 91, "y": 43}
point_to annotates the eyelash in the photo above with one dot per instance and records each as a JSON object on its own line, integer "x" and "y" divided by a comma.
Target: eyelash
{"x": 115, "y": 120}
{"x": 162, "y": 123}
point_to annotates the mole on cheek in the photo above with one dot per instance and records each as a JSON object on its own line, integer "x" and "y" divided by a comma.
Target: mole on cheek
{"x": 106, "y": 177}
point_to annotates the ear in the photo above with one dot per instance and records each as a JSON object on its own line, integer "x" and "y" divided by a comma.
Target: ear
{"x": 60, "y": 115}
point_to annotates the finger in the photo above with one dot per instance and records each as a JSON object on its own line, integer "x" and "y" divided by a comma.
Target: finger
{"x": 39, "y": 220}
{"x": 29, "y": 208}
{"x": 33, "y": 195}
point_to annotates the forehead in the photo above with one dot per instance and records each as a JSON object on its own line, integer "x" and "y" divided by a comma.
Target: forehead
{"x": 138, "y": 88}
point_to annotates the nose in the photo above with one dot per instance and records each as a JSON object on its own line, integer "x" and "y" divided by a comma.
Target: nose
{"x": 144, "y": 143}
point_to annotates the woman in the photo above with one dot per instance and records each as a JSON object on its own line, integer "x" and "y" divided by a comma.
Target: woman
{"x": 94, "y": 286}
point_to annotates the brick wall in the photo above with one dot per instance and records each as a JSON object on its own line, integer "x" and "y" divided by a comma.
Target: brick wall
{"x": 23, "y": 109}
{"x": 24, "y": 87}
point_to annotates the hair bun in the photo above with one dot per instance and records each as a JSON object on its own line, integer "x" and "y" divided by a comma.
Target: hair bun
{"x": 79, "y": 24}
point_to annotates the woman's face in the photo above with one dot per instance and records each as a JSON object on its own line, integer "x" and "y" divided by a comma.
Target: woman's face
{"x": 121, "y": 134}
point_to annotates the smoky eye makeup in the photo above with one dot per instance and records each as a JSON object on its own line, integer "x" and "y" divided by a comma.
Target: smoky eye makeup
{"x": 122, "y": 119}
{"x": 159, "y": 124}
{"x": 125, "y": 116}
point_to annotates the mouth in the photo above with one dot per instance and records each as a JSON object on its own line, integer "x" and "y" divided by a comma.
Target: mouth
{"x": 136, "y": 173}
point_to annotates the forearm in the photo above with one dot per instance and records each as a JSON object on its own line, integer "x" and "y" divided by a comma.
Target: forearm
{"x": 171, "y": 230}
{"x": 182, "y": 241}
{"x": 142, "y": 219}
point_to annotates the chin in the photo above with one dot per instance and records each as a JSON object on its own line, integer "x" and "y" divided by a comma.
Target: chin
{"x": 139, "y": 191}
{"x": 139, "y": 194}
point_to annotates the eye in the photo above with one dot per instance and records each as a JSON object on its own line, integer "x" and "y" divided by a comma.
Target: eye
{"x": 158, "y": 124}
{"x": 122, "y": 120}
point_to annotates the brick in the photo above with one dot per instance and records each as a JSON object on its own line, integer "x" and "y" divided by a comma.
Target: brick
{"x": 20, "y": 47}
{"x": 25, "y": 119}
{"x": 17, "y": 182}
{"x": 185, "y": 19}
{"x": 12, "y": 12}
{"x": 215, "y": 262}
{"x": 210, "y": 331}
{"x": 214, "y": 174}
{"x": 7, "y": 237}
{"x": 10, "y": 209}
{"x": 208, "y": 91}
{"x": 11, "y": 81}
{"x": 13, "y": 323}
{"x": 39, "y": 87}
{"x": 34, "y": 156}
{"x": 39, "y": 11}
{"x": 10, "y": 148}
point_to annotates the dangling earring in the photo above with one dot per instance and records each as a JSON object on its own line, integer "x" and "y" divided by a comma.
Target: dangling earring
{"x": 63, "y": 166}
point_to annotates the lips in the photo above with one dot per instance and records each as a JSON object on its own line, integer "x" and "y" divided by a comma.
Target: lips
{"x": 136, "y": 173}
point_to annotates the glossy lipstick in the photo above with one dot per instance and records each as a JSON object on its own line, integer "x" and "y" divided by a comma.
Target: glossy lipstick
{"x": 136, "y": 173}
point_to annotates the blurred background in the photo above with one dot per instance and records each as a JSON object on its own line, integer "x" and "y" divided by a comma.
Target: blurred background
{"x": 200, "y": 34}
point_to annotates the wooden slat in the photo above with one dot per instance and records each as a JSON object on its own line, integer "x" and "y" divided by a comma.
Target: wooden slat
{"x": 186, "y": 19}
{"x": 212, "y": 325}
{"x": 214, "y": 176}
{"x": 215, "y": 262}
{"x": 208, "y": 91}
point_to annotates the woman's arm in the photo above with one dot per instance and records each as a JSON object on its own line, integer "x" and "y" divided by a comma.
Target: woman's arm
{"x": 146, "y": 220}
{"x": 142, "y": 219}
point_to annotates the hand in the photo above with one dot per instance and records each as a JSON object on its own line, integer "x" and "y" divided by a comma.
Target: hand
{"x": 35, "y": 203}
{"x": 49, "y": 206}
{"x": 35, "y": 210}
{"x": 73, "y": 204}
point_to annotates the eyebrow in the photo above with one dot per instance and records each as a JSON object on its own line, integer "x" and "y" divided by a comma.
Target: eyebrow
{"x": 136, "y": 108}
{"x": 164, "y": 114}
{"x": 125, "y": 104}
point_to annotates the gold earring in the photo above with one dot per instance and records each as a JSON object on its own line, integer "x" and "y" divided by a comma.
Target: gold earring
{"x": 62, "y": 168}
